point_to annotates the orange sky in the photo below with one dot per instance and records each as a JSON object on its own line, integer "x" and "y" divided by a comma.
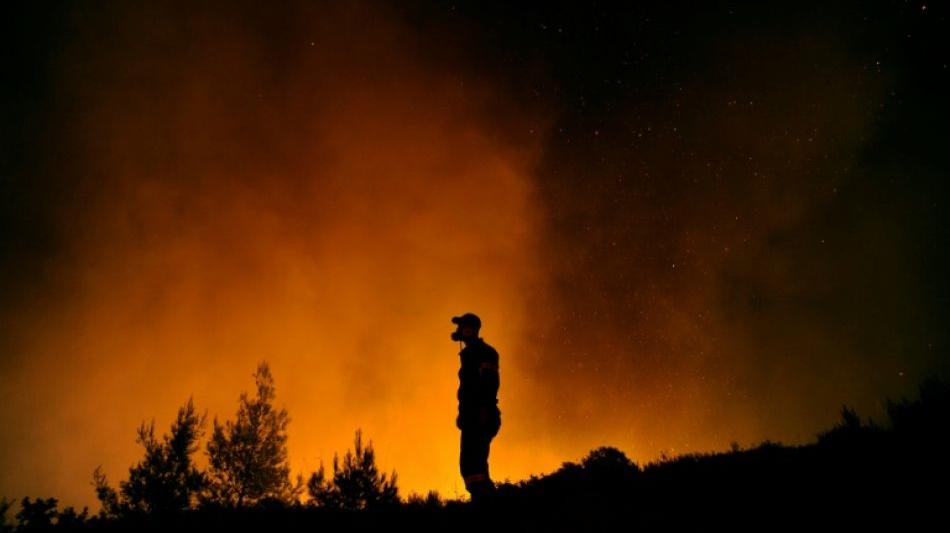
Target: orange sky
{"x": 328, "y": 215}
{"x": 323, "y": 190}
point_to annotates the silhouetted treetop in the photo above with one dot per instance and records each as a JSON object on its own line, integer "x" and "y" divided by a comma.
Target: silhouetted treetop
{"x": 166, "y": 480}
{"x": 356, "y": 484}
{"x": 248, "y": 456}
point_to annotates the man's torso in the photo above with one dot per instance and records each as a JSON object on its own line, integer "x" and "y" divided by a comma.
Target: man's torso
{"x": 478, "y": 378}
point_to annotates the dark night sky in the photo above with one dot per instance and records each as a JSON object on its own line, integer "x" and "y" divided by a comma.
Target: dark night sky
{"x": 688, "y": 226}
{"x": 771, "y": 176}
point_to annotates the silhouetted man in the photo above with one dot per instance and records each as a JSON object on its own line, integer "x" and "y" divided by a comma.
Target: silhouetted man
{"x": 479, "y": 417}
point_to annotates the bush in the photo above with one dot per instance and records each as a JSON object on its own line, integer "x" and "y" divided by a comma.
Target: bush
{"x": 355, "y": 485}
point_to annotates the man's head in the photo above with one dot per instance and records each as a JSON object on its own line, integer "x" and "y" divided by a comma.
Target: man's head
{"x": 467, "y": 327}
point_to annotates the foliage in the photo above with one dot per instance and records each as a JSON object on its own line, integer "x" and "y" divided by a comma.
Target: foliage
{"x": 108, "y": 497}
{"x": 355, "y": 485}
{"x": 37, "y": 514}
{"x": 42, "y": 515}
{"x": 432, "y": 500}
{"x": 5, "y": 505}
{"x": 848, "y": 428}
{"x": 928, "y": 414}
{"x": 68, "y": 518}
{"x": 248, "y": 457}
{"x": 166, "y": 479}
{"x": 608, "y": 458}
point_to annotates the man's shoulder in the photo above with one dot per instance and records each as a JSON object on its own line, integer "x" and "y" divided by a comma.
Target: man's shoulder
{"x": 481, "y": 347}
{"x": 489, "y": 350}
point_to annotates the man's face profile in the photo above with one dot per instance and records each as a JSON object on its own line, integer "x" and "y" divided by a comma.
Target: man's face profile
{"x": 463, "y": 333}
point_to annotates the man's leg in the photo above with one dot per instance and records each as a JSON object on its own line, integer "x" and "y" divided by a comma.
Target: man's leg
{"x": 474, "y": 464}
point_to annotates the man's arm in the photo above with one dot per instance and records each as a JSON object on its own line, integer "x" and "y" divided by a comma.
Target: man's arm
{"x": 488, "y": 376}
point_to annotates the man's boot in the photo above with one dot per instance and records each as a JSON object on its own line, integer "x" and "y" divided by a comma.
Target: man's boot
{"x": 483, "y": 493}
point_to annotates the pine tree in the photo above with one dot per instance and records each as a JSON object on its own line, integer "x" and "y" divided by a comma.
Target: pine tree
{"x": 357, "y": 484}
{"x": 248, "y": 457}
{"x": 166, "y": 480}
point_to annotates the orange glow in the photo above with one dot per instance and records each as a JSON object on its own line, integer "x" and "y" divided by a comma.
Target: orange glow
{"x": 329, "y": 218}
{"x": 320, "y": 189}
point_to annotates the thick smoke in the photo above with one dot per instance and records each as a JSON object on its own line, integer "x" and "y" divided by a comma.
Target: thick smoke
{"x": 241, "y": 185}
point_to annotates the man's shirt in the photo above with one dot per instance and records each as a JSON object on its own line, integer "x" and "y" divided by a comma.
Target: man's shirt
{"x": 478, "y": 377}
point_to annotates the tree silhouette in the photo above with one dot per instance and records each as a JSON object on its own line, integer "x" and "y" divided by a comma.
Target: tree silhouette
{"x": 248, "y": 457}
{"x": 166, "y": 479}
{"x": 357, "y": 484}
{"x": 35, "y": 515}
{"x": 4, "y": 507}
{"x": 42, "y": 515}
{"x": 69, "y": 519}
{"x": 111, "y": 505}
